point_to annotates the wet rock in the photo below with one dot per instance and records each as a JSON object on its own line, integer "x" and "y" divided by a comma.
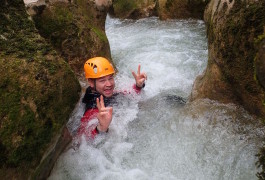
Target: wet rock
{"x": 179, "y": 9}
{"x": 164, "y": 9}
{"x": 76, "y": 29}
{"x": 126, "y": 9}
{"x": 38, "y": 92}
{"x": 260, "y": 63}
{"x": 34, "y": 8}
{"x": 233, "y": 28}
{"x": 61, "y": 142}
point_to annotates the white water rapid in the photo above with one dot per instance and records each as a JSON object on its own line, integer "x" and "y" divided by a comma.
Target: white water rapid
{"x": 155, "y": 135}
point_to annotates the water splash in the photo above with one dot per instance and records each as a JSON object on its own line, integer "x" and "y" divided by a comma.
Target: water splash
{"x": 159, "y": 135}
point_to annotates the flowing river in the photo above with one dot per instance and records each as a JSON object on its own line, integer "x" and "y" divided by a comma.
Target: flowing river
{"x": 159, "y": 135}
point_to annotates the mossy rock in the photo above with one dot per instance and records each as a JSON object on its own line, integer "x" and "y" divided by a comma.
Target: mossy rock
{"x": 181, "y": 9}
{"x": 238, "y": 51}
{"x": 232, "y": 29}
{"x": 123, "y": 8}
{"x": 127, "y": 9}
{"x": 38, "y": 92}
{"x": 235, "y": 31}
{"x": 76, "y": 30}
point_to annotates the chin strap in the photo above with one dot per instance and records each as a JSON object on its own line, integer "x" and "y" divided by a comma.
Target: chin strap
{"x": 95, "y": 89}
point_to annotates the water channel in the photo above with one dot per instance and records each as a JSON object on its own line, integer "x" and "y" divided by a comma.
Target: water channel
{"x": 159, "y": 134}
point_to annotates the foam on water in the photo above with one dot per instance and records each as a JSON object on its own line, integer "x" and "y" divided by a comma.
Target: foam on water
{"x": 172, "y": 53}
{"x": 156, "y": 135}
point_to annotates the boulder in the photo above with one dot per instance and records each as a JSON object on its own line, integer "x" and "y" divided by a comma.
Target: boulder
{"x": 235, "y": 71}
{"x": 76, "y": 29}
{"x": 164, "y": 9}
{"x": 180, "y": 9}
{"x": 38, "y": 91}
{"x": 127, "y": 9}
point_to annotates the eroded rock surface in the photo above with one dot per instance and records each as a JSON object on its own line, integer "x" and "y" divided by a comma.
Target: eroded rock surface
{"x": 164, "y": 9}
{"x": 76, "y": 29}
{"x": 235, "y": 71}
{"x": 38, "y": 91}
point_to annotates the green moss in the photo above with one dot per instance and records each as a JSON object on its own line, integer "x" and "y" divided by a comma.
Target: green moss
{"x": 237, "y": 52}
{"x": 100, "y": 34}
{"x": 31, "y": 141}
{"x": 52, "y": 24}
{"x": 259, "y": 38}
{"x": 76, "y": 37}
{"x": 18, "y": 35}
{"x": 35, "y": 94}
{"x": 123, "y": 6}
{"x": 25, "y": 133}
{"x": 19, "y": 123}
{"x": 56, "y": 20}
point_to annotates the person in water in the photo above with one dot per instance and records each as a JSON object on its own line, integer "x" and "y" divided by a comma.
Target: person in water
{"x": 100, "y": 73}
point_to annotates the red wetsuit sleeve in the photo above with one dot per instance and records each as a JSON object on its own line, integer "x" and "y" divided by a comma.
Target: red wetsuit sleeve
{"x": 137, "y": 89}
{"x": 89, "y": 131}
{"x": 134, "y": 87}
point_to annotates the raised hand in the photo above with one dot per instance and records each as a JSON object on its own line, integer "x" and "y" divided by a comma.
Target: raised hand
{"x": 139, "y": 77}
{"x": 104, "y": 115}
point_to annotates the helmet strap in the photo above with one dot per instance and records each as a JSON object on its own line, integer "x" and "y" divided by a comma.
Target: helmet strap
{"x": 95, "y": 87}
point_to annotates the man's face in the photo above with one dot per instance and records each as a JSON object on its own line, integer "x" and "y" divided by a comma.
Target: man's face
{"x": 104, "y": 85}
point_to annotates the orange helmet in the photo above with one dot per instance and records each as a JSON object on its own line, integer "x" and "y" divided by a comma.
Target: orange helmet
{"x": 98, "y": 67}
